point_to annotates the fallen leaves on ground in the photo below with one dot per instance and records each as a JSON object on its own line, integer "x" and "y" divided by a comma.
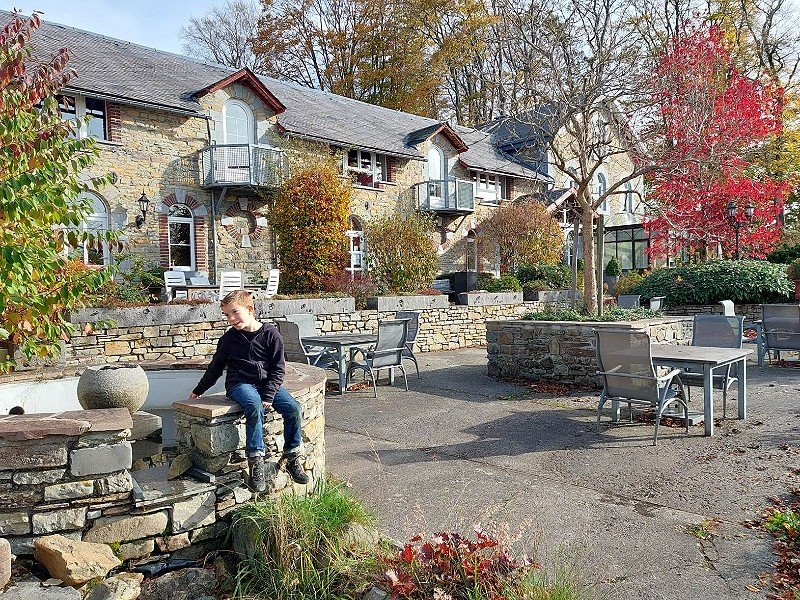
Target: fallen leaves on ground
{"x": 553, "y": 388}
{"x": 786, "y": 576}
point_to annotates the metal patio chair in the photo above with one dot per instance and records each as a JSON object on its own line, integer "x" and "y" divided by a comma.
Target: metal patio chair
{"x": 412, "y": 316}
{"x": 716, "y": 331}
{"x": 295, "y": 351}
{"x": 628, "y": 301}
{"x": 626, "y": 366}
{"x": 387, "y": 353}
{"x": 780, "y": 330}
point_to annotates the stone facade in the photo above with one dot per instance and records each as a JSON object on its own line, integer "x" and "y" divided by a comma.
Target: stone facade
{"x": 564, "y": 351}
{"x": 181, "y": 332}
{"x": 70, "y": 473}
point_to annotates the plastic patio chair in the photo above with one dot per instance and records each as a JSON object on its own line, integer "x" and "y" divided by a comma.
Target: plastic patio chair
{"x": 295, "y": 351}
{"x": 230, "y": 281}
{"x": 272, "y": 283}
{"x": 412, "y": 316}
{"x": 387, "y": 353}
{"x": 626, "y": 366}
{"x": 716, "y": 331}
{"x": 173, "y": 279}
{"x": 628, "y": 301}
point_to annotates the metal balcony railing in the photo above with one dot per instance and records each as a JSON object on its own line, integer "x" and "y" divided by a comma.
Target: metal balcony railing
{"x": 446, "y": 196}
{"x": 243, "y": 164}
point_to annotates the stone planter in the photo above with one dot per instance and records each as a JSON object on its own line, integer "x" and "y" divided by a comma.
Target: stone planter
{"x": 611, "y": 280}
{"x": 395, "y": 303}
{"x": 489, "y": 298}
{"x": 312, "y": 306}
{"x": 551, "y": 295}
{"x": 118, "y": 385}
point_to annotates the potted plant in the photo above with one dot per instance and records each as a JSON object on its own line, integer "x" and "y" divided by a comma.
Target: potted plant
{"x": 793, "y": 273}
{"x": 611, "y": 274}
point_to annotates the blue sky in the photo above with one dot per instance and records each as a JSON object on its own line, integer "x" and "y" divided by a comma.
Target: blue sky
{"x": 154, "y": 23}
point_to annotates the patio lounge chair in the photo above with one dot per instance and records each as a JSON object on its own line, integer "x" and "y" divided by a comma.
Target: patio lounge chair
{"x": 780, "y": 330}
{"x": 387, "y": 353}
{"x": 628, "y": 301}
{"x": 716, "y": 331}
{"x": 626, "y": 366}
{"x": 412, "y": 316}
{"x": 173, "y": 279}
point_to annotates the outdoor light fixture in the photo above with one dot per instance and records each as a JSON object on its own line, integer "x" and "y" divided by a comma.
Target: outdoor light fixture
{"x": 733, "y": 219}
{"x": 144, "y": 203}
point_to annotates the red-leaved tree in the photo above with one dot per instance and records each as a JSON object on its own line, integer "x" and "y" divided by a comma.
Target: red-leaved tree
{"x": 715, "y": 119}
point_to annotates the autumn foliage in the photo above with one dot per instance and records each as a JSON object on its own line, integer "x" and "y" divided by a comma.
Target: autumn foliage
{"x": 309, "y": 219}
{"x": 524, "y": 232}
{"x": 715, "y": 121}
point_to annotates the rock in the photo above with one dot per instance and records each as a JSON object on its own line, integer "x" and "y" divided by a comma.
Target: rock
{"x": 185, "y": 584}
{"x": 5, "y": 562}
{"x": 124, "y": 529}
{"x": 73, "y": 561}
{"x": 179, "y": 466}
{"x": 375, "y": 593}
{"x": 32, "y": 590}
{"x": 124, "y": 586}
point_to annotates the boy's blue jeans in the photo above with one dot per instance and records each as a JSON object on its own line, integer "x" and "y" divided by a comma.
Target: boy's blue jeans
{"x": 249, "y": 398}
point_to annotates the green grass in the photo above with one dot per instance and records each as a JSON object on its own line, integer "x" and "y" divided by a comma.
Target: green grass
{"x": 299, "y": 548}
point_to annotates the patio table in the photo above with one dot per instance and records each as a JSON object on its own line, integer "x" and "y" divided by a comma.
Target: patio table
{"x": 708, "y": 358}
{"x": 340, "y": 342}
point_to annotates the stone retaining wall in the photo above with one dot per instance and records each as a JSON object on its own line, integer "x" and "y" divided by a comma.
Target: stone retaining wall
{"x": 750, "y": 312}
{"x": 69, "y": 473}
{"x": 180, "y": 332}
{"x": 562, "y": 351}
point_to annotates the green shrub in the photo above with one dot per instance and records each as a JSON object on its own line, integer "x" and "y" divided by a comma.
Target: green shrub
{"x": 484, "y": 279}
{"x": 793, "y": 270}
{"x": 504, "y": 283}
{"x": 784, "y": 254}
{"x": 557, "y": 277}
{"x": 531, "y": 287}
{"x": 627, "y": 282}
{"x": 612, "y": 268}
{"x": 743, "y": 281}
{"x": 402, "y": 256}
{"x": 302, "y": 547}
{"x": 610, "y": 314}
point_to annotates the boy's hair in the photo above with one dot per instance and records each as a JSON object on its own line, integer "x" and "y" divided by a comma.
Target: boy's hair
{"x": 240, "y": 297}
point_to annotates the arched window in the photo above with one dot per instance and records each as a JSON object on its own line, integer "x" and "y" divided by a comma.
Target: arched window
{"x": 602, "y": 186}
{"x": 237, "y": 123}
{"x": 358, "y": 247}
{"x": 180, "y": 225}
{"x": 97, "y": 251}
{"x": 436, "y": 163}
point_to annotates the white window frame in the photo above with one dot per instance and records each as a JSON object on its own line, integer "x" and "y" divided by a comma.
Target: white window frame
{"x": 378, "y": 169}
{"x": 181, "y": 220}
{"x": 103, "y": 219}
{"x": 602, "y": 186}
{"x": 248, "y": 116}
{"x": 80, "y": 127}
{"x": 491, "y": 188}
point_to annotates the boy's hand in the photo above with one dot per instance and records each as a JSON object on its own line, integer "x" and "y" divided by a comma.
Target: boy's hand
{"x": 266, "y": 405}
{"x": 192, "y": 396}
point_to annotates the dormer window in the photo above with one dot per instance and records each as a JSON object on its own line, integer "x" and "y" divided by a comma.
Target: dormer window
{"x": 368, "y": 169}
{"x": 78, "y": 108}
{"x": 490, "y": 188}
{"x": 237, "y": 123}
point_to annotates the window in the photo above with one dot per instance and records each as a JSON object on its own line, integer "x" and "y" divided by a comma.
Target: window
{"x": 76, "y": 108}
{"x": 489, "y": 187}
{"x": 628, "y": 245}
{"x": 602, "y": 186}
{"x": 628, "y": 197}
{"x": 180, "y": 222}
{"x": 355, "y": 236}
{"x": 237, "y": 123}
{"x": 369, "y": 168}
{"x": 436, "y": 164}
{"x": 97, "y": 250}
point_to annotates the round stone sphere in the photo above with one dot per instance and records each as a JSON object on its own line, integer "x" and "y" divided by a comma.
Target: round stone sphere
{"x": 119, "y": 385}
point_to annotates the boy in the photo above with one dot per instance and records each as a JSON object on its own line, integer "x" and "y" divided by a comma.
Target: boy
{"x": 253, "y": 354}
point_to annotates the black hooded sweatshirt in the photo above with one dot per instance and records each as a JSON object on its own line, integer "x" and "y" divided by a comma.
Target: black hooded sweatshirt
{"x": 250, "y": 357}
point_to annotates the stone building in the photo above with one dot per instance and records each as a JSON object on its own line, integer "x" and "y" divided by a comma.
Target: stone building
{"x": 203, "y": 147}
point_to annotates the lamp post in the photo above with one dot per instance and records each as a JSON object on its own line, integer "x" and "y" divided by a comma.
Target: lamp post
{"x": 733, "y": 219}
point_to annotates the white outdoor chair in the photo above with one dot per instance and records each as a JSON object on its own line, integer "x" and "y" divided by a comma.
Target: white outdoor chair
{"x": 626, "y": 366}
{"x": 728, "y": 308}
{"x": 173, "y": 279}
{"x": 412, "y": 316}
{"x": 272, "y": 283}
{"x": 387, "y": 353}
{"x": 230, "y": 281}
{"x": 717, "y": 331}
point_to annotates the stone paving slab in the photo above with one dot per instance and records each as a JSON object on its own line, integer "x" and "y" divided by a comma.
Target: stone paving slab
{"x": 461, "y": 448}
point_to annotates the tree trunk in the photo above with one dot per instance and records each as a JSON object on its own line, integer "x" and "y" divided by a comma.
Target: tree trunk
{"x": 589, "y": 266}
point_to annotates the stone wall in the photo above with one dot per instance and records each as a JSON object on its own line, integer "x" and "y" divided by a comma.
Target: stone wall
{"x": 750, "y": 312}
{"x": 562, "y": 351}
{"x": 180, "y": 332}
{"x": 69, "y": 473}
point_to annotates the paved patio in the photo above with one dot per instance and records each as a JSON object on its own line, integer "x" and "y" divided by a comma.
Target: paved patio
{"x": 461, "y": 448}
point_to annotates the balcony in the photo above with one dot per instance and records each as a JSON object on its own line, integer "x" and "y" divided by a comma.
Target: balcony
{"x": 446, "y": 196}
{"x": 243, "y": 164}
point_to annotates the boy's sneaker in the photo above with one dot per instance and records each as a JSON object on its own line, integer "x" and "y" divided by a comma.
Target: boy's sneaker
{"x": 258, "y": 477}
{"x": 294, "y": 466}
